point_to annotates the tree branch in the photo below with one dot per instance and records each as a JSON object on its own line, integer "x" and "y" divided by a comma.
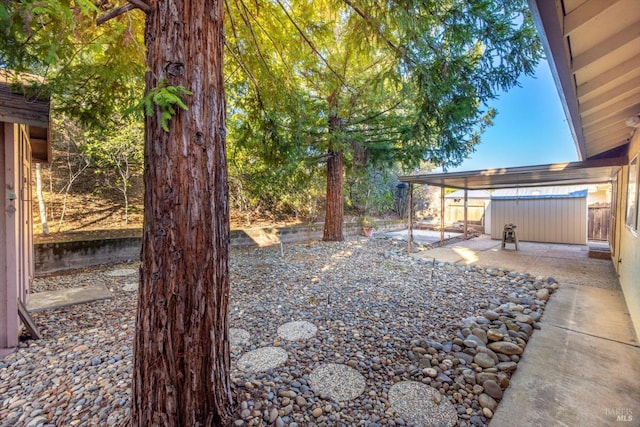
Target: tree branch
{"x": 311, "y": 45}
{"x": 244, "y": 14}
{"x": 120, "y": 10}
{"x": 367, "y": 18}
{"x": 142, "y": 5}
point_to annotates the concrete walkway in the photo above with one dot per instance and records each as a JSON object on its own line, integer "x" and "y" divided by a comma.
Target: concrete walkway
{"x": 422, "y": 237}
{"x": 582, "y": 368}
{"x": 41, "y": 301}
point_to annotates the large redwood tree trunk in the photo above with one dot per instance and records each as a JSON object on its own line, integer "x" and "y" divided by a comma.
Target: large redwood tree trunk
{"x": 181, "y": 364}
{"x": 335, "y": 177}
{"x": 335, "y": 203}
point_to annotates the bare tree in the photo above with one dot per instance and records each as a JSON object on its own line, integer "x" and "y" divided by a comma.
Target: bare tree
{"x": 73, "y": 159}
{"x": 41, "y": 209}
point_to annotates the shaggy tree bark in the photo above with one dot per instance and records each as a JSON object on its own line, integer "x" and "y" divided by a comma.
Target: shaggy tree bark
{"x": 181, "y": 365}
{"x": 335, "y": 178}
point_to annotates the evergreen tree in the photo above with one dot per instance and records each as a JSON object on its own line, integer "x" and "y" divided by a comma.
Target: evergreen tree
{"x": 181, "y": 360}
{"x": 93, "y": 73}
{"x": 352, "y": 82}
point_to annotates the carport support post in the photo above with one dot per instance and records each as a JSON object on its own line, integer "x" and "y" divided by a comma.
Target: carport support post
{"x": 442, "y": 216}
{"x": 464, "y": 237}
{"x": 410, "y": 237}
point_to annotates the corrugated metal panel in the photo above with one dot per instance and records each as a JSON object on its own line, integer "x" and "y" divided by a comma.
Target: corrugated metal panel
{"x": 550, "y": 220}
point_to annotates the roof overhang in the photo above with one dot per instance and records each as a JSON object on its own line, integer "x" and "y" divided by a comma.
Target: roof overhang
{"x": 31, "y": 110}
{"x": 574, "y": 173}
{"x": 593, "y": 48}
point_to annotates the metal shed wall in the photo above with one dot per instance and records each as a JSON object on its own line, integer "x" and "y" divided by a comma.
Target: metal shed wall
{"x": 549, "y": 220}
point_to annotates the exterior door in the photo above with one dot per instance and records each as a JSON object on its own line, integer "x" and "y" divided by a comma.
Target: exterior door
{"x": 25, "y": 217}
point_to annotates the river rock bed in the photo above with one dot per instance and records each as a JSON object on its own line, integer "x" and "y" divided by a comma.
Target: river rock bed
{"x": 363, "y": 333}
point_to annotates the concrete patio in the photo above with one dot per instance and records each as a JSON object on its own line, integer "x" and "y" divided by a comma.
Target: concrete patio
{"x": 582, "y": 368}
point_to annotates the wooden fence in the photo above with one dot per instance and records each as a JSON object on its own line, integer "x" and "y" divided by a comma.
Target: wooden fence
{"x": 599, "y": 222}
{"x": 455, "y": 213}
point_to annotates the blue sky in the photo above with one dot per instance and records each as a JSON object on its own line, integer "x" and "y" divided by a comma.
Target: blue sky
{"x": 529, "y": 129}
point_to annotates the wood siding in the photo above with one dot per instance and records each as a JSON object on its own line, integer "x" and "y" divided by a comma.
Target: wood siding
{"x": 16, "y": 234}
{"x": 9, "y": 283}
{"x": 6, "y": 340}
{"x": 627, "y": 259}
{"x": 553, "y": 220}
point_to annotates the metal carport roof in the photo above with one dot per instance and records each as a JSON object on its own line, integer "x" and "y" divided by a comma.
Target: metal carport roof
{"x": 587, "y": 172}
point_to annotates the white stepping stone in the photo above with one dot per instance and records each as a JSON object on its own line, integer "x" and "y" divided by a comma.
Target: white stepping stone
{"x": 238, "y": 337}
{"x": 130, "y": 287}
{"x": 296, "y": 331}
{"x": 421, "y": 404}
{"x": 121, "y": 272}
{"x": 339, "y": 382}
{"x": 262, "y": 359}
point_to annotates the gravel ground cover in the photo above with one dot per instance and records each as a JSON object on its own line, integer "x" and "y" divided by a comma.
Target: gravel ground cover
{"x": 330, "y": 334}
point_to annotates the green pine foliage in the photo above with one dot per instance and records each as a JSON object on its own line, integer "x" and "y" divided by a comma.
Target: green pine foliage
{"x": 410, "y": 81}
{"x": 167, "y": 98}
{"x": 92, "y": 72}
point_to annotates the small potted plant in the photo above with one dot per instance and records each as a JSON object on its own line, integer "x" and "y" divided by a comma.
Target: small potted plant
{"x": 367, "y": 225}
